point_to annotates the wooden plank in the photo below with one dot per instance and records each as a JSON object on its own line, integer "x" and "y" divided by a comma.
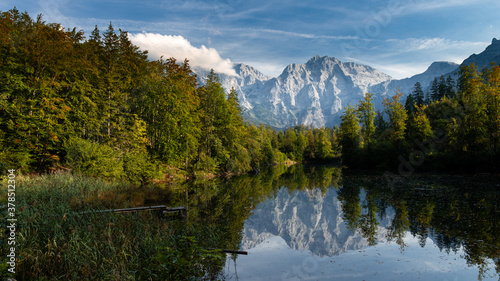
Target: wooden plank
{"x": 163, "y": 208}
{"x": 235, "y": 252}
{"x": 231, "y": 251}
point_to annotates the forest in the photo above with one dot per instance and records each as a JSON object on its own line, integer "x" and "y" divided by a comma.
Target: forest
{"x": 454, "y": 128}
{"x": 100, "y": 107}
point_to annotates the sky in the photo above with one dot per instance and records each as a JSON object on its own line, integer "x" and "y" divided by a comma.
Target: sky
{"x": 398, "y": 37}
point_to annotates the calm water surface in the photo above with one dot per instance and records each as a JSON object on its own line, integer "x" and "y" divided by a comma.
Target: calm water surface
{"x": 316, "y": 223}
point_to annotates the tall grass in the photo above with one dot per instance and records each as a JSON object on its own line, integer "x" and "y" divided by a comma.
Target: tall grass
{"x": 56, "y": 242}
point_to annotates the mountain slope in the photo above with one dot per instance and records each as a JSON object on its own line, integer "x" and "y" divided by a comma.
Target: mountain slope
{"x": 316, "y": 92}
{"x": 485, "y": 58}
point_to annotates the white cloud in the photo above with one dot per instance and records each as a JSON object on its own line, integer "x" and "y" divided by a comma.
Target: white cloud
{"x": 416, "y": 6}
{"x": 307, "y": 35}
{"x": 180, "y": 48}
{"x": 438, "y": 44}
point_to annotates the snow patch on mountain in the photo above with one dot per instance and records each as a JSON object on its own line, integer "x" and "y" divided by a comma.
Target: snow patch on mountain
{"x": 316, "y": 92}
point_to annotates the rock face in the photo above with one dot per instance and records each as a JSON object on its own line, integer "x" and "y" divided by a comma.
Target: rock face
{"x": 313, "y": 93}
{"x": 436, "y": 69}
{"x": 316, "y": 92}
{"x": 306, "y": 220}
{"x": 489, "y": 55}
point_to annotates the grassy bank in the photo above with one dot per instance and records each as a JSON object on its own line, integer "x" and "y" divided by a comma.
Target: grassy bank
{"x": 54, "y": 242}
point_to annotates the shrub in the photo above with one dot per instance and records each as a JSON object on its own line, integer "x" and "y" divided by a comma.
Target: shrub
{"x": 94, "y": 159}
{"x": 139, "y": 168}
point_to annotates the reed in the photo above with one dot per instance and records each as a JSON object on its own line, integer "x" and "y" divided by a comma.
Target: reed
{"x": 56, "y": 243}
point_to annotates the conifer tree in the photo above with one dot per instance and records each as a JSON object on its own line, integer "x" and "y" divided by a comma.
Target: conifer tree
{"x": 418, "y": 94}
{"x": 168, "y": 102}
{"x": 214, "y": 117}
{"x": 450, "y": 87}
{"x": 442, "y": 88}
{"x": 380, "y": 124}
{"x": 409, "y": 104}
{"x": 428, "y": 98}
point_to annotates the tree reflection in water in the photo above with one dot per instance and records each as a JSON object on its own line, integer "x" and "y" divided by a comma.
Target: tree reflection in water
{"x": 454, "y": 211}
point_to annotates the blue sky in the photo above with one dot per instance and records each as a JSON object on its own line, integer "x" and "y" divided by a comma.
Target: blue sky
{"x": 400, "y": 38}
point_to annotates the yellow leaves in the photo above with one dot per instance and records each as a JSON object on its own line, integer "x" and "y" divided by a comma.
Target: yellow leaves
{"x": 54, "y": 137}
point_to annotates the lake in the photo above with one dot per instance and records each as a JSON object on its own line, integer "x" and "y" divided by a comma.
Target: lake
{"x": 321, "y": 223}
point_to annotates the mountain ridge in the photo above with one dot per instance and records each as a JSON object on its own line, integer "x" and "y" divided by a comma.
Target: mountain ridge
{"x": 315, "y": 93}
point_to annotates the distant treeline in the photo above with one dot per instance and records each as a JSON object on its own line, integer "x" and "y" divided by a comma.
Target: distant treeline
{"x": 454, "y": 127}
{"x": 100, "y": 107}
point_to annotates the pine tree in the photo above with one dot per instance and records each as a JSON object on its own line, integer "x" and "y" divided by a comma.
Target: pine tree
{"x": 442, "y": 88}
{"x": 450, "y": 87}
{"x": 214, "y": 117}
{"x": 409, "y": 104}
{"x": 380, "y": 124}
{"x": 435, "y": 95}
{"x": 427, "y": 99}
{"x": 418, "y": 94}
{"x": 167, "y": 100}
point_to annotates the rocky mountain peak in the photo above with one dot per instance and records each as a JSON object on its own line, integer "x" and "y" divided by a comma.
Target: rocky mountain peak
{"x": 485, "y": 58}
{"x": 315, "y": 93}
{"x": 322, "y": 60}
{"x": 439, "y": 67}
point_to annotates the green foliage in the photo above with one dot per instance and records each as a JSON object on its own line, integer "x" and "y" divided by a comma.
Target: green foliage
{"x": 58, "y": 90}
{"x": 94, "y": 159}
{"x": 167, "y": 101}
{"x": 206, "y": 164}
{"x": 458, "y": 130}
{"x": 418, "y": 94}
{"x": 366, "y": 112}
{"x": 188, "y": 258}
{"x": 323, "y": 146}
{"x": 279, "y": 157}
{"x": 410, "y": 104}
{"x": 397, "y": 116}
{"x": 419, "y": 125}
{"x": 58, "y": 243}
{"x": 349, "y": 130}
{"x": 138, "y": 168}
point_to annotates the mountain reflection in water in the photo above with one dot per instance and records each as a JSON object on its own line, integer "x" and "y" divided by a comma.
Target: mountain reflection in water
{"x": 354, "y": 227}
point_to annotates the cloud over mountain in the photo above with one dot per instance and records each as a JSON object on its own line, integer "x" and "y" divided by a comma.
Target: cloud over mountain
{"x": 180, "y": 48}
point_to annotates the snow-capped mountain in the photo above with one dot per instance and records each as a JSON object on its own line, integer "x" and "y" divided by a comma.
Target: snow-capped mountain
{"x": 316, "y": 92}
{"x": 313, "y": 93}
